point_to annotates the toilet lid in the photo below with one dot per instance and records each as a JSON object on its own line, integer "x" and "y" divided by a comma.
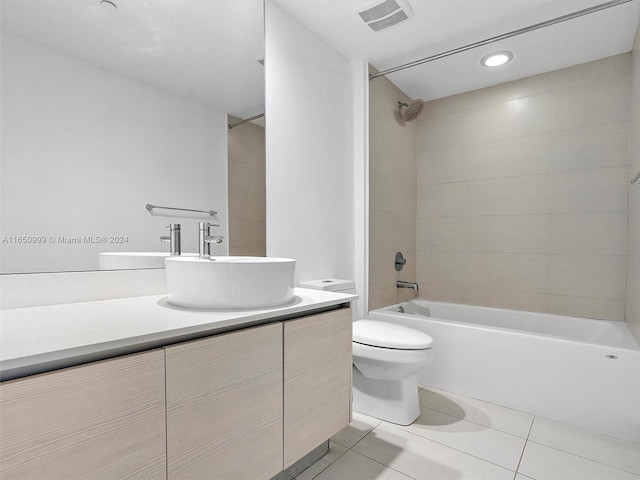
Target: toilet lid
{"x": 390, "y": 335}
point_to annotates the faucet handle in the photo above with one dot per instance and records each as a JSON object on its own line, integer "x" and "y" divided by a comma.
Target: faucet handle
{"x": 165, "y": 238}
{"x": 213, "y": 239}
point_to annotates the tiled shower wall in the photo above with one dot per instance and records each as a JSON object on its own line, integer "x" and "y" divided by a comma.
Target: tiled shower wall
{"x": 522, "y": 193}
{"x": 392, "y": 203}
{"x": 633, "y": 254}
{"x": 246, "y": 190}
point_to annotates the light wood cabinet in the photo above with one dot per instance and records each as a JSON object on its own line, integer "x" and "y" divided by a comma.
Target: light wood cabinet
{"x": 317, "y": 380}
{"x": 103, "y": 420}
{"x": 224, "y": 406}
{"x": 240, "y": 405}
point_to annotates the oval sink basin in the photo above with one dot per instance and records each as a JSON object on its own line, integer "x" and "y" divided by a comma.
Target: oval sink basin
{"x": 229, "y": 282}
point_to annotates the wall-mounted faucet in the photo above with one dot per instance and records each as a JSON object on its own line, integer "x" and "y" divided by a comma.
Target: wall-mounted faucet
{"x": 403, "y": 284}
{"x": 175, "y": 246}
{"x": 206, "y": 239}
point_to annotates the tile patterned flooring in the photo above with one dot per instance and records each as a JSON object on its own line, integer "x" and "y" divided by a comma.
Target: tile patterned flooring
{"x": 460, "y": 438}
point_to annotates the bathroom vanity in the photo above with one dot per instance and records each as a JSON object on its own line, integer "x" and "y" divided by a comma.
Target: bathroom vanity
{"x": 132, "y": 388}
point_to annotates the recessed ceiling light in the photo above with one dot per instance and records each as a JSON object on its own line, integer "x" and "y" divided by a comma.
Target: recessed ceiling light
{"x": 496, "y": 59}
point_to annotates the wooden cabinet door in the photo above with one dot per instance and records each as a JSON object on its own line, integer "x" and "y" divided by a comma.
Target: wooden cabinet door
{"x": 103, "y": 420}
{"x": 224, "y": 406}
{"x": 317, "y": 380}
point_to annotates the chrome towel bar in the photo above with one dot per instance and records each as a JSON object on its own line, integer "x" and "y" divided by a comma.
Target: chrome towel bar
{"x": 209, "y": 212}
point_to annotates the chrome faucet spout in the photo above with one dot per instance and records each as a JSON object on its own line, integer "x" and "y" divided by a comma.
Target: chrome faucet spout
{"x": 403, "y": 284}
{"x": 206, "y": 239}
{"x": 173, "y": 238}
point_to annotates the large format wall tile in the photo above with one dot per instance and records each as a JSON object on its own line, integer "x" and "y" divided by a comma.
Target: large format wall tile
{"x": 595, "y": 190}
{"x": 523, "y": 193}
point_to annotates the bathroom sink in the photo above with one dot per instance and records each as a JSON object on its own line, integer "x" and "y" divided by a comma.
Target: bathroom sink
{"x": 132, "y": 260}
{"x": 229, "y": 282}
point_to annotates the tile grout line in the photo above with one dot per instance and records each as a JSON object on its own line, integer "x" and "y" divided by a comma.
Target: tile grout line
{"x": 526, "y": 441}
{"x": 585, "y": 458}
{"x": 481, "y": 424}
{"x": 456, "y": 449}
{"x": 347, "y": 449}
{"x": 568, "y": 452}
{"x": 373, "y": 459}
{"x": 331, "y": 463}
{"x": 475, "y": 423}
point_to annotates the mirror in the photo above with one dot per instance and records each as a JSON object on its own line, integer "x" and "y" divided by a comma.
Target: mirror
{"x": 108, "y": 106}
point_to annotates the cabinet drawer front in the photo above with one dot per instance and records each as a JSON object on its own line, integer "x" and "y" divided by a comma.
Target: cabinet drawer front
{"x": 317, "y": 380}
{"x": 224, "y": 406}
{"x": 100, "y": 420}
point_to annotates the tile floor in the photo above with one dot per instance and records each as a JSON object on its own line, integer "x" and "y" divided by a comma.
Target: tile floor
{"x": 460, "y": 438}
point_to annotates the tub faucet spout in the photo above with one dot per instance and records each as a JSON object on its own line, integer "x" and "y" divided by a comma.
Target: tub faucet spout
{"x": 403, "y": 284}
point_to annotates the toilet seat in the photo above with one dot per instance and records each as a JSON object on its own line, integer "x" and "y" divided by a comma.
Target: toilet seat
{"x": 390, "y": 335}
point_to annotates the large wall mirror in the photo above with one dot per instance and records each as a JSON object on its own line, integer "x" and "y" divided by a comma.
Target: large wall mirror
{"x": 111, "y": 105}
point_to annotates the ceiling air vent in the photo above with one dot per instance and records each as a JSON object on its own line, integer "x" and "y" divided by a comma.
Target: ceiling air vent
{"x": 384, "y": 14}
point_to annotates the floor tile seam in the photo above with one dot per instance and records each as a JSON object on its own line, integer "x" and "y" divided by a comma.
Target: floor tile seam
{"x": 361, "y": 439}
{"x": 452, "y": 399}
{"x": 513, "y": 410}
{"x": 331, "y": 463}
{"x": 383, "y": 464}
{"x": 480, "y": 424}
{"x": 586, "y": 458}
{"x": 462, "y": 451}
{"x": 524, "y": 447}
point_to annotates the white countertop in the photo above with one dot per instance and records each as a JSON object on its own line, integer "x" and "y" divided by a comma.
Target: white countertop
{"x": 43, "y": 338}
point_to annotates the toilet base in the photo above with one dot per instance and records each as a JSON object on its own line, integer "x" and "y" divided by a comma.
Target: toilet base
{"x": 394, "y": 401}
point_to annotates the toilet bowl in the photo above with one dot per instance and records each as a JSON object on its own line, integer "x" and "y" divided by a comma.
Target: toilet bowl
{"x": 386, "y": 359}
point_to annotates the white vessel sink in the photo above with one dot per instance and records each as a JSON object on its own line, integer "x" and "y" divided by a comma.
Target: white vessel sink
{"x": 229, "y": 282}
{"x": 131, "y": 260}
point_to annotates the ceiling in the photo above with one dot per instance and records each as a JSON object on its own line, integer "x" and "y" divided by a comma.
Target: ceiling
{"x": 208, "y": 50}
{"x": 441, "y": 25}
{"x": 205, "y": 50}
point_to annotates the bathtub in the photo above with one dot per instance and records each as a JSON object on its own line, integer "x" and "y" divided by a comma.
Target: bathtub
{"x": 575, "y": 370}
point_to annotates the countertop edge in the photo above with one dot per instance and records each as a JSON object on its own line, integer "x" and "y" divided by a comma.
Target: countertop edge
{"x": 50, "y": 358}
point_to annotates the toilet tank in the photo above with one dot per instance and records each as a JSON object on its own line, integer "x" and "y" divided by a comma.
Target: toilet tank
{"x": 334, "y": 285}
{"x": 330, "y": 285}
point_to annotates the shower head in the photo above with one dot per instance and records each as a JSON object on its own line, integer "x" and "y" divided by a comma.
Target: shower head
{"x": 411, "y": 111}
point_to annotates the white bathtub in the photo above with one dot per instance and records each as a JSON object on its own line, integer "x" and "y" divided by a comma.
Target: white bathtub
{"x": 554, "y": 366}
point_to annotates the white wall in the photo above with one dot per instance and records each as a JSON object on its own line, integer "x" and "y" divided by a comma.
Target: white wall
{"x": 84, "y": 149}
{"x": 309, "y": 149}
{"x": 633, "y": 218}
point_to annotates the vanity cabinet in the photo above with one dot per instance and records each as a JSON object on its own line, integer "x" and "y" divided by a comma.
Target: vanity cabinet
{"x": 99, "y": 420}
{"x": 224, "y": 406}
{"x": 317, "y": 380}
{"x": 245, "y": 404}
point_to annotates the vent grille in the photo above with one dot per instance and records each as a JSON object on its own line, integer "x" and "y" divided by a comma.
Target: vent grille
{"x": 379, "y": 11}
{"x": 397, "y": 17}
{"x": 381, "y": 15}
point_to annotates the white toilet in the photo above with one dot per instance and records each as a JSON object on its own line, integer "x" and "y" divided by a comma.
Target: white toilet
{"x": 386, "y": 359}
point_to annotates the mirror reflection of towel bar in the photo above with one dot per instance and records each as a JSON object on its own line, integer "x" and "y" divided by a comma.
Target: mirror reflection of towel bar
{"x": 209, "y": 212}
{"x": 636, "y": 179}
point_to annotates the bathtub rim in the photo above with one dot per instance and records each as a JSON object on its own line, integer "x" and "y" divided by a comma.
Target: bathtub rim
{"x": 632, "y": 346}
